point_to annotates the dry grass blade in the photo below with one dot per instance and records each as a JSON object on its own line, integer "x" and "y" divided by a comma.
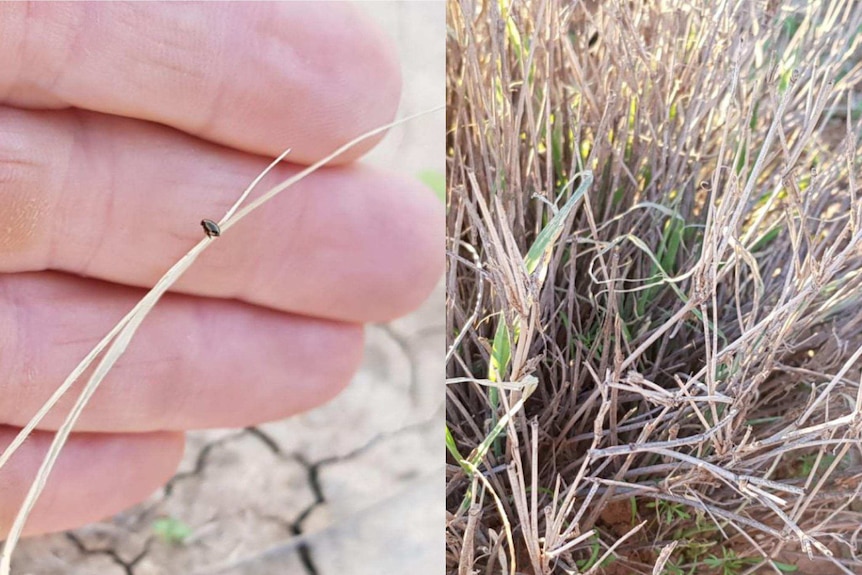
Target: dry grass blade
{"x": 142, "y": 307}
{"x": 663, "y": 558}
{"x": 693, "y": 322}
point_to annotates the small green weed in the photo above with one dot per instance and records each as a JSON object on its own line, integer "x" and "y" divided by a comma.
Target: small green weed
{"x": 729, "y": 563}
{"x": 668, "y": 512}
{"x": 172, "y": 530}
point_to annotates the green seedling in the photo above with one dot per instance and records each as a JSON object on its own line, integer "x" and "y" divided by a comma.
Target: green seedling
{"x": 595, "y": 551}
{"x": 729, "y": 563}
{"x": 172, "y": 530}
{"x": 669, "y": 512}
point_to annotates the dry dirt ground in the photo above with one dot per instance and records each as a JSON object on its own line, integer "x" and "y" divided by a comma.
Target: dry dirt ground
{"x": 355, "y": 487}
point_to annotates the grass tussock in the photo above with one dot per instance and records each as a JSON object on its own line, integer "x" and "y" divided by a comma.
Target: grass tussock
{"x": 654, "y": 287}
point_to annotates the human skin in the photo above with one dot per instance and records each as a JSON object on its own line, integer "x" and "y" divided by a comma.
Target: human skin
{"x": 122, "y": 126}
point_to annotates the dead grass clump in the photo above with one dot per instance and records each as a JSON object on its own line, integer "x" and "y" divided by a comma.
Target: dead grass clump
{"x": 654, "y": 251}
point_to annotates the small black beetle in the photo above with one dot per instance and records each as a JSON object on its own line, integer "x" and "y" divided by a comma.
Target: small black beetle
{"x": 211, "y": 228}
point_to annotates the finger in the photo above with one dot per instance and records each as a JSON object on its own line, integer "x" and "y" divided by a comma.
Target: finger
{"x": 262, "y": 77}
{"x": 194, "y": 363}
{"x": 121, "y": 200}
{"x": 96, "y": 476}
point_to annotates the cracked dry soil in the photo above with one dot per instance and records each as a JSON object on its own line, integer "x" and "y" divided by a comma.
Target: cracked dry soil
{"x": 352, "y": 487}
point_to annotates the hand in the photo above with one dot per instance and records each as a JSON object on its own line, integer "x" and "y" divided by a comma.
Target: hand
{"x": 121, "y": 127}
